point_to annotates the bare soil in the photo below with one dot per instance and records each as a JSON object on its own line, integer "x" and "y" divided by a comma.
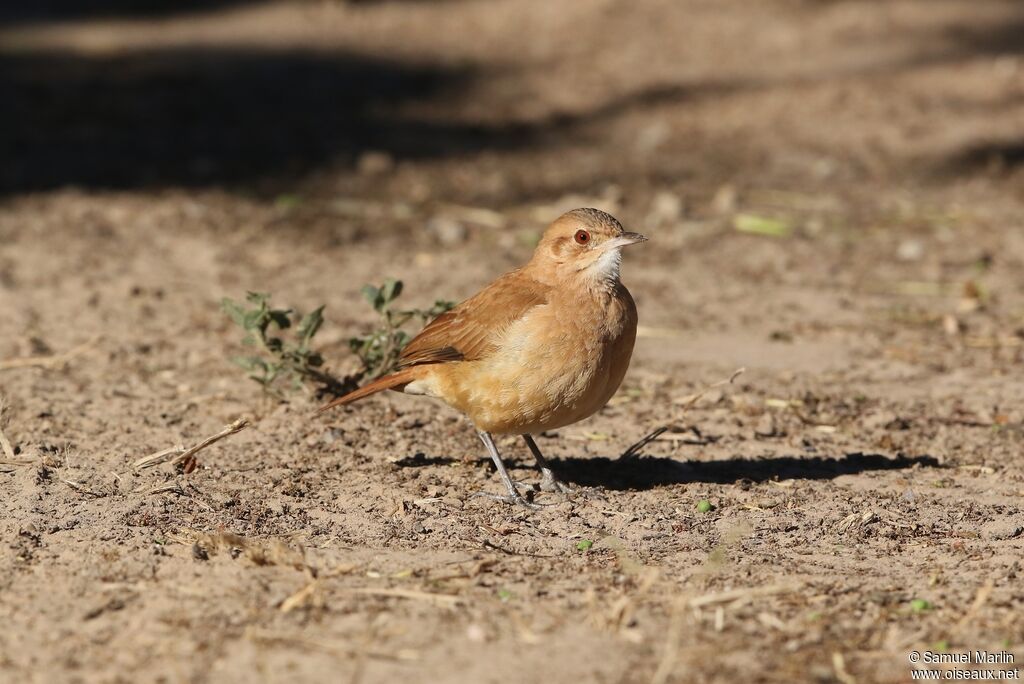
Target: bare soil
{"x": 869, "y": 459}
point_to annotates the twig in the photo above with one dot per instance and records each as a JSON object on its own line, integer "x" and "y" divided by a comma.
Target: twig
{"x": 78, "y": 486}
{"x": 635, "y": 448}
{"x": 984, "y": 591}
{"x": 307, "y": 592}
{"x": 177, "y": 455}
{"x": 741, "y": 594}
{"x": 671, "y": 653}
{"x": 442, "y": 600}
{"x": 690, "y": 401}
{"x": 53, "y": 362}
{"x": 488, "y": 544}
{"x": 339, "y": 651}
{"x": 839, "y": 665}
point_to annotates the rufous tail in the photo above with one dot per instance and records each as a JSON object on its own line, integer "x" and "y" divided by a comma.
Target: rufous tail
{"x": 393, "y": 381}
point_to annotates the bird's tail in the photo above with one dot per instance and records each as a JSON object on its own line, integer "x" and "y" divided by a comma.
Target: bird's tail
{"x": 396, "y": 380}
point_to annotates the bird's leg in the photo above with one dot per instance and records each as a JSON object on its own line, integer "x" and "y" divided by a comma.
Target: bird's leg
{"x": 513, "y": 497}
{"x": 548, "y": 481}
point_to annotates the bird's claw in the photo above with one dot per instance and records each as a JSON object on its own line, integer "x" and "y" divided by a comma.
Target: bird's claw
{"x": 550, "y": 483}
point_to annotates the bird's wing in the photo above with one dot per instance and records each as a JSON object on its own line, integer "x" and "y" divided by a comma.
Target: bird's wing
{"x": 470, "y": 330}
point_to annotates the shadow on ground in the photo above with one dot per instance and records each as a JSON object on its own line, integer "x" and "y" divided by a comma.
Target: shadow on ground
{"x": 196, "y": 118}
{"x": 649, "y": 472}
{"x": 226, "y": 116}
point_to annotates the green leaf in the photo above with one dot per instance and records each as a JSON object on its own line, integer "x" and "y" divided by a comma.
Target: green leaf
{"x": 584, "y": 545}
{"x": 761, "y": 225}
{"x": 257, "y": 298}
{"x": 440, "y": 307}
{"x": 287, "y": 201}
{"x": 370, "y": 294}
{"x": 253, "y": 320}
{"x": 310, "y": 324}
{"x": 920, "y": 605}
{"x": 244, "y": 362}
{"x": 233, "y": 310}
{"x": 391, "y": 290}
{"x": 280, "y": 317}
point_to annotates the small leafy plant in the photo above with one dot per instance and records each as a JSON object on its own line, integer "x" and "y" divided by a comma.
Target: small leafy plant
{"x": 279, "y": 357}
{"x": 283, "y": 340}
{"x": 380, "y": 349}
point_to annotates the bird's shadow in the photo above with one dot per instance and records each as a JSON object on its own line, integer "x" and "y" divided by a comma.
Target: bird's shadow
{"x": 638, "y": 473}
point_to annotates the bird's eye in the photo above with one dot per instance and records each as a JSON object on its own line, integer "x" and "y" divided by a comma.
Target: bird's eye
{"x": 582, "y": 237}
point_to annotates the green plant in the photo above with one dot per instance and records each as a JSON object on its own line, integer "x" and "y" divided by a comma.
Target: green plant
{"x": 919, "y": 605}
{"x": 279, "y": 358}
{"x": 380, "y": 349}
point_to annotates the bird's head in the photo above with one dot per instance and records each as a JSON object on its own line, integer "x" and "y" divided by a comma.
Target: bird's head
{"x": 585, "y": 243}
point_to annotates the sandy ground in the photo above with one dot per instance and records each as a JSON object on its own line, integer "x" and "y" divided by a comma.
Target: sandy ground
{"x": 865, "y": 472}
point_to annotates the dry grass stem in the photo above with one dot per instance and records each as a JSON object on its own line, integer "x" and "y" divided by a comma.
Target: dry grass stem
{"x": 440, "y": 600}
{"x": 984, "y": 591}
{"x": 842, "y": 674}
{"x": 345, "y": 652}
{"x": 78, "y": 486}
{"x": 54, "y": 362}
{"x": 178, "y": 455}
{"x": 742, "y": 594}
{"x": 687, "y": 402}
{"x": 670, "y": 654}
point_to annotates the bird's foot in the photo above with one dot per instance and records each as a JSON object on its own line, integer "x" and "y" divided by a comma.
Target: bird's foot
{"x": 550, "y": 483}
{"x": 512, "y": 499}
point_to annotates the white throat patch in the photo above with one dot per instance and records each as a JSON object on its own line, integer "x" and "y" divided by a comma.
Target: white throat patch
{"x": 606, "y": 268}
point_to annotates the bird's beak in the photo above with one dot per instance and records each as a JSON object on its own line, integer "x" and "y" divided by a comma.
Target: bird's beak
{"x": 625, "y": 240}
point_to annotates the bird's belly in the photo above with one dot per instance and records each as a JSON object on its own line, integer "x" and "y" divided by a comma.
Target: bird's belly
{"x": 542, "y": 385}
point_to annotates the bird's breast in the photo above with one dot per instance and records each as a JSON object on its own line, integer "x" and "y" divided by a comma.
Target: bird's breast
{"x": 557, "y": 365}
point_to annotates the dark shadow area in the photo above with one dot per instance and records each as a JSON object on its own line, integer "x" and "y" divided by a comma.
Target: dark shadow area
{"x": 228, "y": 117}
{"x": 46, "y": 11}
{"x": 648, "y": 472}
{"x": 993, "y": 157}
{"x": 223, "y": 117}
{"x": 193, "y": 118}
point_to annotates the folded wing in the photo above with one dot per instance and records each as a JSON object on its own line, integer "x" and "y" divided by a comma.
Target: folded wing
{"x": 471, "y": 330}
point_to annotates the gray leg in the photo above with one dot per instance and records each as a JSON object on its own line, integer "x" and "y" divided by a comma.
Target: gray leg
{"x": 548, "y": 482}
{"x": 513, "y": 496}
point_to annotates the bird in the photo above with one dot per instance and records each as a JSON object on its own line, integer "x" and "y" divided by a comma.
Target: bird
{"x": 542, "y": 347}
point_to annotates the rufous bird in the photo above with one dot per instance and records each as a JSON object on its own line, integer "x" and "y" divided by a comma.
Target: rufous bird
{"x": 542, "y": 347}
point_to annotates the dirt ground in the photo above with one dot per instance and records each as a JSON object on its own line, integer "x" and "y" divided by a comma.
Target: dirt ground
{"x": 833, "y": 192}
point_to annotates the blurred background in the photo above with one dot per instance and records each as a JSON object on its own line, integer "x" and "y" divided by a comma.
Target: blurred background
{"x": 501, "y": 101}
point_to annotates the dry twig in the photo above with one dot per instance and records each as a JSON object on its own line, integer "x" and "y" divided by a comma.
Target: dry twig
{"x": 687, "y": 402}
{"x": 744, "y": 594}
{"x": 340, "y": 651}
{"x": 177, "y": 455}
{"x": 79, "y": 487}
{"x": 671, "y": 652}
{"x": 440, "y": 600}
{"x": 53, "y": 362}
